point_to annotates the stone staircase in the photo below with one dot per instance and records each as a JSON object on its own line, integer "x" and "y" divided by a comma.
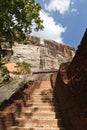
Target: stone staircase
{"x": 41, "y": 111}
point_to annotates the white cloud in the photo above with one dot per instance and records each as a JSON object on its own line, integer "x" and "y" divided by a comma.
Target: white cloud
{"x": 52, "y": 30}
{"x": 58, "y": 5}
{"x": 75, "y": 11}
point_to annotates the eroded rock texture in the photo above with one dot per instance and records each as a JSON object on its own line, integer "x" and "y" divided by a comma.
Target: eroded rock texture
{"x": 41, "y": 53}
{"x": 11, "y": 109}
{"x": 71, "y": 89}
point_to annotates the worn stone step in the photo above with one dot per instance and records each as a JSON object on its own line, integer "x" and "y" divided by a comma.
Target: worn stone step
{"x": 41, "y": 104}
{"x": 22, "y": 122}
{"x": 44, "y": 88}
{"x": 40, "y": 101}
{"x": 35, "y": 104}
{"x": 38, "y": 109}
{"x": 41, "y": 93}
{"x": 35, "y": 128}
{"x": 41, "y": 113}
{"x": 42, "y": 98}
{"x": 37, "y": 115}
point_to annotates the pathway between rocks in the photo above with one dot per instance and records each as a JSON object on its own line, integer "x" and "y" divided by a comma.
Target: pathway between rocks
{"x": 41, "y": 112}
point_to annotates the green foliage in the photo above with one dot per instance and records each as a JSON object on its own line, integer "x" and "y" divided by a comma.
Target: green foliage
{"x": 24, "y": 68}
{"x": 5, "y": 73}
{"x": 7, "y": 78}
{"x": 17, "y": 17}
{"x": 3, "y": 70}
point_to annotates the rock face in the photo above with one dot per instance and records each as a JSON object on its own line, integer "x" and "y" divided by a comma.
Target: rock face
{"x": 71, "y": 89}
{"x": 11, "y": 108}
{"x": 41, "y": 53}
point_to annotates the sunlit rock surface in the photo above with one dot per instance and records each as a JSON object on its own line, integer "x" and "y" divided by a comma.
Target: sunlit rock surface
{"x": 41, "y": 53}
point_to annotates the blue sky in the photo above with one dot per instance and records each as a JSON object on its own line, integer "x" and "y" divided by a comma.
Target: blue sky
{"x": 64, "y": 20}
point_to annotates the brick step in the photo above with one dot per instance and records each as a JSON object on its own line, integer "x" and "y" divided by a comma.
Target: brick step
{"x": 43, "y": 88}
{"x": 34, "y": 104}
{"x": 35, "y": 128}
{"x": 41, "y": 92}
{"x": 22, "y": 122}
{"x": 37, "y": 109}
{"x": 38, "y": 95}
{"x": 35, "y": 94}
{"x": 38, "y": 106}
{"x": 42, "y": 98}
{"x": 38, "y": 115}
{"x": 41, "y": 113}
{"x": 40, "y": 101}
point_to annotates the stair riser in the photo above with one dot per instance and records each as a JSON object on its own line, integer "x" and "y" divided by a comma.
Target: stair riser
{"x": 36, "y": 109}
{"x": 41, "y": 105}
{"x": 41, "y": 117}
{"x": 40, "y": 125}
{"x": 35, "y": 128}
{"x": 38, "y": 115}
{"x": 42, "y": 99}
{"x": 41, "y": 102}
{"x": 40, "y": 112}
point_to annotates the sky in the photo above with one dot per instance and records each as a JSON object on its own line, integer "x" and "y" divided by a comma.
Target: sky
{"x": 64, "y": 21}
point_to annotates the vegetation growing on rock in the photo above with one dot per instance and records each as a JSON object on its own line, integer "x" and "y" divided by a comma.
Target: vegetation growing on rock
{"x": 16, "y": 20}
{"x": 24, "y": 68}
{"x": 5, "y": 74}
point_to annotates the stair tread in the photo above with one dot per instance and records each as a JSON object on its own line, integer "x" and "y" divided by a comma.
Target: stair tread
{"x": 40, "y": 112}
{"x": 41, "y": 102}
{"x": 42, "y": 109}
{"x": 41, "y": 115}
{"x": 36, "y": 122}
{"x": 41, "y": 105}
{"x": 36, "y": 128}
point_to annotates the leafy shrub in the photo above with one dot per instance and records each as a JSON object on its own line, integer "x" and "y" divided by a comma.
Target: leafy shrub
{"x": 5, "y": 73}
{"x": 4, "y": 70}
{"x": 24, "y": 68}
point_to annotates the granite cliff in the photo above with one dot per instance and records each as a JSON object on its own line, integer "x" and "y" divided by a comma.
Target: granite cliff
{"x": 42, "y": 53}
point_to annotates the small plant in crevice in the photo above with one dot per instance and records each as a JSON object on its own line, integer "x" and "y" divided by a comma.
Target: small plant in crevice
{"x": 24, "y": 68}
{"x": 5, "y": 74}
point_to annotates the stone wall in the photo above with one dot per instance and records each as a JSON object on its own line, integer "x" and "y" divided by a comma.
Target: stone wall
{"x": 11, "y": 109}
{"x": 71, "y": 89}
